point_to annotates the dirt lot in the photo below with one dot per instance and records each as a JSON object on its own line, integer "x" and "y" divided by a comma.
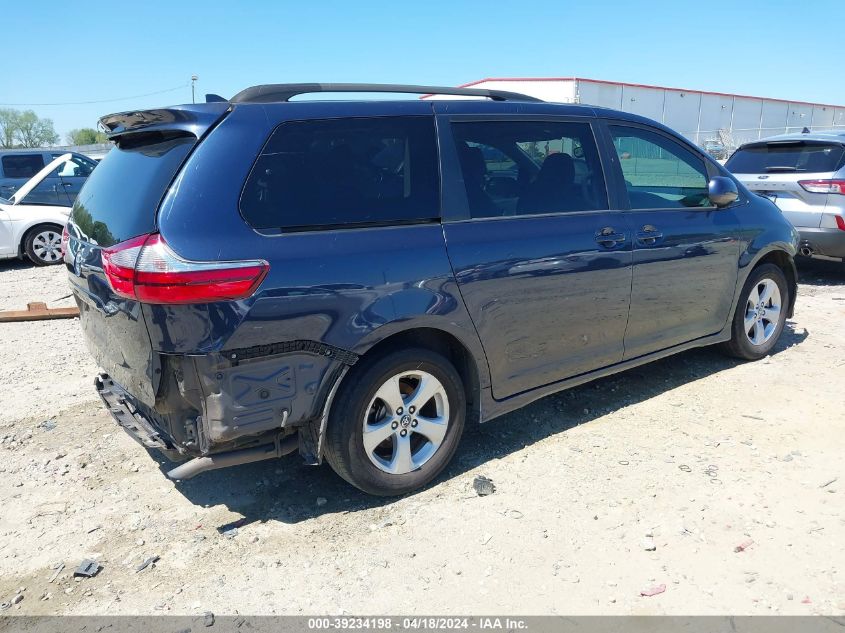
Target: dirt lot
{"x": 703, "y": 453}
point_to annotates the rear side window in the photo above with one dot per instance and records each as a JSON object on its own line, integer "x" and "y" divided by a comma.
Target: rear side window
{"x": 797, "y": 156}
{"x": 659, "y": 173}
{"x": 22, "y": 165}
{"x": 529, "y": 167}
{"x": 344, "y": 172}
{"x": 122, "y": 195}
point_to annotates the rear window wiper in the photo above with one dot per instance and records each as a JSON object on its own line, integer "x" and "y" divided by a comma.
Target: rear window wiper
{"x": 783, "y": 168}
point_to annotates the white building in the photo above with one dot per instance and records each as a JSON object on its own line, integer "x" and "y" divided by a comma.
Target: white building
{"x": 699, "y": 115}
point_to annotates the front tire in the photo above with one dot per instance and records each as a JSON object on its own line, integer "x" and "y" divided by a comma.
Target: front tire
{"x": 760, "y": 314}
{"x": 43, "y": 245}
{"x": 396, "y": 422}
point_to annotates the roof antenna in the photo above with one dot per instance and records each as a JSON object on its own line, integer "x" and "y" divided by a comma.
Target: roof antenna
{"x": 806, "y": 130}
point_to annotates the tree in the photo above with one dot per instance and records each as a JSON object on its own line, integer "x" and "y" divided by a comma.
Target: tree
{"x": 8, "y": 127}
{"x": 86, "y": 136}
{"x": 35, "y": 132}
{"x": 25, "y": 129}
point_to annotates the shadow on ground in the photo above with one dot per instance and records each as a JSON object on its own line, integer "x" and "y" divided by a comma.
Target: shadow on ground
{"x": 819, "y": 272}
{"x": 15, "y": 264}
{"x": 286, "y": 490}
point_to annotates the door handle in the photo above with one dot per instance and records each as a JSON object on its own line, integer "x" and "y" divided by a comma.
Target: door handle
{"x": 67, "y": 184}
{"x": 608, "y": 237}
{"x": 648, "y": 235}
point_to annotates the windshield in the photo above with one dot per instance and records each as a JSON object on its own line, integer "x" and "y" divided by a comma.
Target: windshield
{"x": 792, "y": 156}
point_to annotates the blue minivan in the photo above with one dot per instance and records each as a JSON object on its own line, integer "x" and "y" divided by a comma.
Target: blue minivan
{"x": 357, "y": 280}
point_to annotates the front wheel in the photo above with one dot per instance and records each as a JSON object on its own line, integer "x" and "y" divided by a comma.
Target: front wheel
{"x": 760, "y": 314}
{"x": 396, "y": 422}
{"x": 43, "y": 245}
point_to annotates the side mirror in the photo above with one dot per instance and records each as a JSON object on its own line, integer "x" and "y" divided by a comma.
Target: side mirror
{"x": 722, "y": 191}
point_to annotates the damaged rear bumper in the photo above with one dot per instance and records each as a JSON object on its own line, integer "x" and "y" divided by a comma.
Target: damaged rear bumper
{"x": 234, "y": 407}
{"x": 125, "y": 411}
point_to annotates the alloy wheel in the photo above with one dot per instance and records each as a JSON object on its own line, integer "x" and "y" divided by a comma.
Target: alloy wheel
{"x": 762, "y": 311}
{"x": 406, "y": 422}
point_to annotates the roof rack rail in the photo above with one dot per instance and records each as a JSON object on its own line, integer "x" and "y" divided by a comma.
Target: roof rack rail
{"x": 272, "y": 93}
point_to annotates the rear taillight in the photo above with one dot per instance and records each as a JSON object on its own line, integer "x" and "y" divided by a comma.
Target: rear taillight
{"x": 840, "y": 222}
{"x": 65, "y": 240}
{"x": 824, "y": 186}
{"x": 146, "y": 269}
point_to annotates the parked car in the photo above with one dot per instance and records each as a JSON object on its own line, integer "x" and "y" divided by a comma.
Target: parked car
{"x": 264, "y": 275}
{"x": 59, "y": 188}
{"x": 716, "y": 149}
{"x": 30, "y": 228}
{"x": 804, "y": 175}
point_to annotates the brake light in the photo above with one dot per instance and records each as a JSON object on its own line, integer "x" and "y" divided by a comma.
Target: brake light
{"x": 824, "y": 186}
{"x": 145, "y": 268}
{"x": 840, "y": 222}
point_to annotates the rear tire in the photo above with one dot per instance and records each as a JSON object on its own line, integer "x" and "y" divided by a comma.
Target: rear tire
{"x": 411, "y": 405}
{"x": 760, "y": 314}
{"x": 43, "y": 245}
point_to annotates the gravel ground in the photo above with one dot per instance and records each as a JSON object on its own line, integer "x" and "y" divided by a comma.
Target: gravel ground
{"x": 652, "y": 479}
{"x": 44, "y": 365}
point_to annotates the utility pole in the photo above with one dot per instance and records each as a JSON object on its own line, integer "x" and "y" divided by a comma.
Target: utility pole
{"x": 193, "y": 83}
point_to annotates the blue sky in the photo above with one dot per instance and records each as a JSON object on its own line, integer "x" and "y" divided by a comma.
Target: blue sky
{"x": 93, "y": 50}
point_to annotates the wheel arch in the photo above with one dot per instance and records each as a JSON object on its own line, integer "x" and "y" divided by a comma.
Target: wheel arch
{"x": 448, "y": 345}
{"x": 786, "y": 263}
{"x": 26, "y": 232}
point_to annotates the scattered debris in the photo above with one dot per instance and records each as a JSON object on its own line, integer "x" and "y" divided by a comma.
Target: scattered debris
{"x": 753, "y": 417}
{"x": 87, "y": 569}
{"x": 57, "y": 570}
{"x": 17, "y": 599}
{"x": 653, "y": 591}
{"x": 743, "y": 546}
{"x": 483, "y": 486}
{"x": 648, "y": 543}
{"x": 152, "y": 560}
{"x": 486, "y": 538}
{"x": 38, "y": 311}
{"x": 382, "y": 524}
{"x": 230, "y": 533}
{"x": 827, "y": 483}
{"x": 806, "y": 600}
{"x": 685, "y": 468}
{"x": 47, "y": 425}
{"x": 208, "y": 618}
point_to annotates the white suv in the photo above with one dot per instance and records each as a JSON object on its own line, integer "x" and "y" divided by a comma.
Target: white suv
{"x": 804, "y": 175}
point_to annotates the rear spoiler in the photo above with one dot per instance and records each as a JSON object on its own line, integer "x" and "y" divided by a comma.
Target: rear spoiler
{"x": 192, "y": 118}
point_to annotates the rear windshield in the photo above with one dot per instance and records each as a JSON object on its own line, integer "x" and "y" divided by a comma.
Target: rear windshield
{"x": 120, "y": 198}
{"x": 799, "y": 156}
